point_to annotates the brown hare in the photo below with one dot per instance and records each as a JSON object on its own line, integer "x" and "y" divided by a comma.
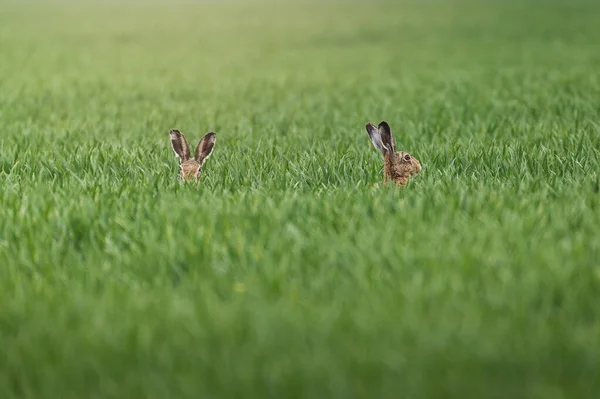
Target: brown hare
{"x": 191, "y": 167}
{"x": 398, "y": 166}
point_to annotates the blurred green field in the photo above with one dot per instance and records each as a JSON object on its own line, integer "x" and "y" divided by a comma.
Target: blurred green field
{"x": 284, "y": 273}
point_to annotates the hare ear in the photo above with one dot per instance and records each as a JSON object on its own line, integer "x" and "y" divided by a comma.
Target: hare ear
{"x": 375, "y": 136}
{"x": 205, "y": 147}
{"x": 386, "y": 136}
{"x": 180, "y": 145}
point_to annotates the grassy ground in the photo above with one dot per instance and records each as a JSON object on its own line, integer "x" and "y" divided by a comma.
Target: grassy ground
{"x": 284, "y": 273}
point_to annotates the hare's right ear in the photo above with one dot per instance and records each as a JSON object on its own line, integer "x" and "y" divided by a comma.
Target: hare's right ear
{"x": 180, "y": 145}
{"x": 375, "y": 136}
{"x": 386, "y": 136}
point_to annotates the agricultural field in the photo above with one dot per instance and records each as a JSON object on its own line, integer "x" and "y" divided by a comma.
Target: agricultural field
{"x": 289, "y": 270}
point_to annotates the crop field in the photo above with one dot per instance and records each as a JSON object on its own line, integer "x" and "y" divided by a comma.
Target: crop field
{"x": 289, "y": 270}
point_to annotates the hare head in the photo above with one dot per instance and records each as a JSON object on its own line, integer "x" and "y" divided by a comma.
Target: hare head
{"x": 191, "y": 167}
{"x": 398, "y": 166}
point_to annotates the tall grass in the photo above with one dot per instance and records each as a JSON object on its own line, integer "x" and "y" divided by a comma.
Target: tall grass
{"x": 285, "y": 272}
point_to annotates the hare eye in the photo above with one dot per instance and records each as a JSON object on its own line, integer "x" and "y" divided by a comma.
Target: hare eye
{"x": 407, "y": 157}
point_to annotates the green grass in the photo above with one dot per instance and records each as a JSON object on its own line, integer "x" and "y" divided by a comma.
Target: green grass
{"x": 284, "y": 273}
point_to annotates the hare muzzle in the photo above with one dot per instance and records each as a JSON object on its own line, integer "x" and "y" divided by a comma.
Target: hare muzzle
{"x": 190, "y": 170}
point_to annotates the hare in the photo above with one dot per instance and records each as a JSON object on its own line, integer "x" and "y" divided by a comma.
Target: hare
{"x": 398, "y": 166}
{"x": 191, "y": 168}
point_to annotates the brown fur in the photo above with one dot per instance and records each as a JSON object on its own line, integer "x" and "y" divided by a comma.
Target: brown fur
{"x": 190, "y": 168}
{"x": 398, "y": 166}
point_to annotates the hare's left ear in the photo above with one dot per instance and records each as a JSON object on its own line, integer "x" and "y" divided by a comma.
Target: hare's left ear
{"x": 205, "y": 147}
{"x": 180, "y": 145}
{"x": 375, "y": 138}
{"x": 386, "y": 136}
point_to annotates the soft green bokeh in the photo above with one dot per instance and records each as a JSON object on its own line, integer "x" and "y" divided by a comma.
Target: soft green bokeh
{"x": 284, "y": 273}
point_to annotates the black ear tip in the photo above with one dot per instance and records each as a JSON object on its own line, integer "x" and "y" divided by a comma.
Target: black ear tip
{"x": 175, "y": 131}
{"x": 369, "y": 126}
{"x": 384, "y": 125}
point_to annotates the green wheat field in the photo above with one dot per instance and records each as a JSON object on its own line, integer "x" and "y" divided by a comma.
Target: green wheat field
{"x": 286, "y": 272}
